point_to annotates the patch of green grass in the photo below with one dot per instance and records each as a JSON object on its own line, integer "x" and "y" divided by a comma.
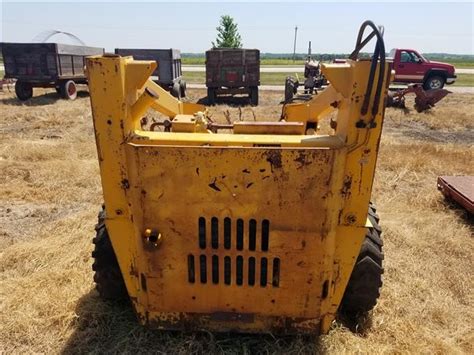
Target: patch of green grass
{"x": 264, "y": 61}
{"x": 279, "y": 78}
{"x": 464, "y": 65}
{"x": 194, "y": 77}
{"x": 265, "y": 78}
{"x": 464, "y": 80}
{"x": 276, "y": 78}
{"x": 193, "y": 60}
{"x": 201, "y": 60}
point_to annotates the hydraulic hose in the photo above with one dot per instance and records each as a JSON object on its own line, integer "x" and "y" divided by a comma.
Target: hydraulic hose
{"x": 379, "y": 54}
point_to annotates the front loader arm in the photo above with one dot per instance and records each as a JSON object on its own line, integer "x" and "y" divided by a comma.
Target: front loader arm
{"x": 313, "y": 110}
{"x": 168, "y": 105}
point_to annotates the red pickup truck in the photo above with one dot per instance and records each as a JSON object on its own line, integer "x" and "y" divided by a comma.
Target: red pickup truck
{"x": 411, "y": 67}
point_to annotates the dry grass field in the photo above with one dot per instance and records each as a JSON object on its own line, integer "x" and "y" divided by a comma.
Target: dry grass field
{"x": 51, "y": 193}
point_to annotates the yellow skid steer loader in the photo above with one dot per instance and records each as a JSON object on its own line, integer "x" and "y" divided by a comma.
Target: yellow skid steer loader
{"x": 266, "y": 227}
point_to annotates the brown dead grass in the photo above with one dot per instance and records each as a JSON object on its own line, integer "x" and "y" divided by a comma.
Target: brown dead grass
{"x": 50, "y": 194}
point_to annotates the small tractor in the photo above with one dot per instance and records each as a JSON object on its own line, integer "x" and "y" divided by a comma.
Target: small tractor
{"x": 266, "y": 226}
{"x": 314, "y": 79}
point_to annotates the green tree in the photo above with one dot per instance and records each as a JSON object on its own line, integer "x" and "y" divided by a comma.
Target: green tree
{"x": 227, "y": 34}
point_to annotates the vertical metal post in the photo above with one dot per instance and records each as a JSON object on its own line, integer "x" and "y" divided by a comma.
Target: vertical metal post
{"x": 294, "y": 44}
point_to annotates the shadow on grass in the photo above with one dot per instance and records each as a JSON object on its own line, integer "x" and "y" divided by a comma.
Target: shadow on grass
{"x": 459, "y": 210}
{"x": 360, "y": 325}
{"x": 49, "y": 98}
{"x": 102, "y": 327}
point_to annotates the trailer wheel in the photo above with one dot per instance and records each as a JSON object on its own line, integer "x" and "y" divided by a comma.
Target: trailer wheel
{"x": 176, "y": 90}
{"x": 107, "y": 276}
{"x": 23, "y": 91}
{"x": 362, "y": 290}
{"x": 182, "y": 88}
{"x": 211, "y": 96}
{"x": 254, "y": 95}
{"x": 68, "y": 90}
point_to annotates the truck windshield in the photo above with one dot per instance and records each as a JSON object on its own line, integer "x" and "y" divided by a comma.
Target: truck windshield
{"x": 423, "y": 57}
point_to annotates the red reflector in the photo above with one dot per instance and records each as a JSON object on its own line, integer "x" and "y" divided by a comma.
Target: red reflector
{"x": 232, "y": 76}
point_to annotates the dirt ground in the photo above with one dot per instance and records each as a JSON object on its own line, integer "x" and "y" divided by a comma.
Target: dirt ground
{"x": 51, "y": 193}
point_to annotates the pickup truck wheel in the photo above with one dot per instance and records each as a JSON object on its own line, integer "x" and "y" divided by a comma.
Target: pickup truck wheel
{"x": 23, "y": 91}
{"x": 364, "y": 284}
{"x": 434, "y": 82}
{"x": 68, "y": 90}
{"x": 107, "y": 276}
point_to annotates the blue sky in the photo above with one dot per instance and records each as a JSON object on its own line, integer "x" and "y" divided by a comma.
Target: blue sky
{"x": 332, "y": 27}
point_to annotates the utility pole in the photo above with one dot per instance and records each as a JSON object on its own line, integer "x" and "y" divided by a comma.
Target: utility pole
{"x": 294, "y": 44}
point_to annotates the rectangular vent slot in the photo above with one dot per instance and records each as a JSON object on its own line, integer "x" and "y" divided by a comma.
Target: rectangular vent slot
{"x": 227, "y": 232}
{"x": 203, "y": 269}
{"x": 227, "y": 270}
{"x": 240, "y": 234}
{"x": 249, "y": 279}
{"x": 215, "y": 269}
{"x": 265, "y": 234}
{"x": 240, "y": 270}
{"x": 251, "y": 271}
{"x": 214, "y": 233}
{"x": 252, "y": 235}
{"x": 263, "y": 272}
{"x": 202, "y": 232}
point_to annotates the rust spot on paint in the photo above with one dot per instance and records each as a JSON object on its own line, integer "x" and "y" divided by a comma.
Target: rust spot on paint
{"x": 346, "y": 187}
{"x": 274, "y": 158}
{"x": 125, "y": 184}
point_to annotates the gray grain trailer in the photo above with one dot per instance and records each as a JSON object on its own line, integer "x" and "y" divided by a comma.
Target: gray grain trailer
{"x": 168, "y": 73}
{"x": 232, "y": 71}
{"x": 46, "y": 65}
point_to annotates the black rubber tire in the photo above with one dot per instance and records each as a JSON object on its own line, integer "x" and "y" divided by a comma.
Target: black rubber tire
{"x": 176, "y": 90}
{"x": 23, "y": 91}
{"x": 107, "y": 276}
{"x": 432, "y": 80}
{"x": 254, "y": 95}
{"x": 68, "y": 90}
{"x": 363, "y": 288}
{"x": 182, "y": 88}
{"x": 211, "y": 96}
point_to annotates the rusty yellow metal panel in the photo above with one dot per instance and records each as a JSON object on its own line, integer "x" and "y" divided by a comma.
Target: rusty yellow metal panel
{"x": 255, "y": 205}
